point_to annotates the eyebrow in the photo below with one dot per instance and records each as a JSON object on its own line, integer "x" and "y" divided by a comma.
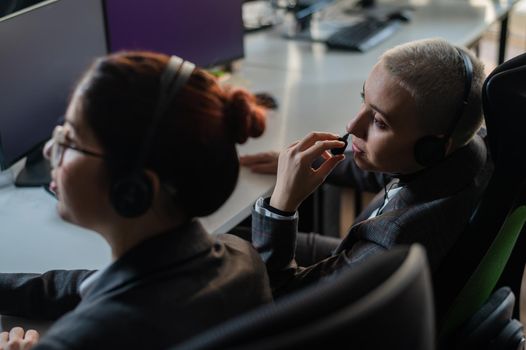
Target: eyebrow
{"x": 385, "y": 115}
{"x": 375, "y": 107}
{"x": 78, "y": 137}
{"x": 73, "y": 125}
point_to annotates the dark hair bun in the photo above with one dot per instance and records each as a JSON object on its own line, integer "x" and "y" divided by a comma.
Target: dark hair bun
{"x": 244, "y": 116}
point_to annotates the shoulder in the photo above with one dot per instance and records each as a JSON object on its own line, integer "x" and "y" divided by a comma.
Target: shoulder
{"x": 239, "y": 251}
{"x": 233, "y": 241}
{"x": 242, "y": 267}
{"x": 100, "y": 328}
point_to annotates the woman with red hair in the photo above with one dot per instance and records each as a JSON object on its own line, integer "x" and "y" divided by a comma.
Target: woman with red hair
{"x": 147, "y": 146}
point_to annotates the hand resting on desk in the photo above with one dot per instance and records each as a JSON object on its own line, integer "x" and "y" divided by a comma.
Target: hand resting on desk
{"x": 262, "y": 163}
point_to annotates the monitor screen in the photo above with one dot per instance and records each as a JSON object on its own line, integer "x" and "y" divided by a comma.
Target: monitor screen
{"x": 44, "y": 50}
{"x": 206, "y": 32}
{"x": 9, "y": 6}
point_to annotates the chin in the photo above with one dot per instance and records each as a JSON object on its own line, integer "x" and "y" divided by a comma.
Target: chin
{"x": 362, "y": 164}
{"x": 63, "y": 213}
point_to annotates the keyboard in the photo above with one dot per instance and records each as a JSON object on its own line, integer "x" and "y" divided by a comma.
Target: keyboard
{"x": 363, "y": 35}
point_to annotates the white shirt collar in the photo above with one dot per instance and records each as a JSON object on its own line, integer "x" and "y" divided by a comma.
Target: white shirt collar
{"x": 89, "y": 282}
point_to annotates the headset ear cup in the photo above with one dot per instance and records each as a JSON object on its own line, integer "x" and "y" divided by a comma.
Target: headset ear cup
{"x": 131, "y": 196}
{"x": 430, "y": 150}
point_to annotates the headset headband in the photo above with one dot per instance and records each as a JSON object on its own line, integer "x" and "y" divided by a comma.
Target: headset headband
{"x": 131, "y": 195}
{"x": 468, "y": 72}
{"x": 173, "y": 78}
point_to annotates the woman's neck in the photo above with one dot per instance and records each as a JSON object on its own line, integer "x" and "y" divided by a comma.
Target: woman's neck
{"x": 127, "y": 234}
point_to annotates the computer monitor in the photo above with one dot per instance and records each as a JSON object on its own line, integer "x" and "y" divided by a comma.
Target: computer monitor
{"x": 9, "y": 6}
{"x": 44, "y": 50}
{"x": 206, "y": 32}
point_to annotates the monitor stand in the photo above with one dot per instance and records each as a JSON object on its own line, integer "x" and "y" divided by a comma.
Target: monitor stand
{"x": 36, "y": 172}
{"x": 6, "y": 178}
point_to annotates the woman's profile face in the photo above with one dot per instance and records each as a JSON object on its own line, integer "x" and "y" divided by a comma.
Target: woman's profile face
{"x": 386, "y": 128}
{"x": 79, "y": 177}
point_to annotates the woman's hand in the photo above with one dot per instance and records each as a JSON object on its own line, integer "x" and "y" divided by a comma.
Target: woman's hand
{"x": 296, "y": 178}
{"x": 17, "y": 339}
{"x": 263, "y": 163}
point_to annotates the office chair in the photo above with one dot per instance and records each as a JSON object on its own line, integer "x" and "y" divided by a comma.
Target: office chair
{"x": 504, "y": 106}
{"x": 384, "y": 303}
{"x": 492, "y": 327}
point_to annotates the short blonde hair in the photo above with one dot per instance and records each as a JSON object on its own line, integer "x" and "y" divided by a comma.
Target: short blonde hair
{"x": 433, "y": 72}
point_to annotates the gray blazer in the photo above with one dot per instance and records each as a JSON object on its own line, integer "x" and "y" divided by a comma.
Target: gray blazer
{"x": 432, "y": 208}
{"x": 163, "y": 291}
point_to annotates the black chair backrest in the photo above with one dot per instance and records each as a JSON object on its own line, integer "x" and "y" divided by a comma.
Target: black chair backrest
{"x": 384, "y": 303}
{"x": 504, "y": 105}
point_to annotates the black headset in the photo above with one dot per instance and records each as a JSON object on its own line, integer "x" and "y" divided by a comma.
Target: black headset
{"x": 131, "y": 195}
{"x": 431, "y": 149}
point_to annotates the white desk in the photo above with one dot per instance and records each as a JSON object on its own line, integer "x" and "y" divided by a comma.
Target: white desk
{"x": 316, "y": 89}
{"x": 462, "y": 22}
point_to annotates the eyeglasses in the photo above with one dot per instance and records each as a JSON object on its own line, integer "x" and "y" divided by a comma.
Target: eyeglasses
{"x": 59, "y": 146}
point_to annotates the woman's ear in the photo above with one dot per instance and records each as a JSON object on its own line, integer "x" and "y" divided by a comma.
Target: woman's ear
{"x": 449, "y": 146}
{"x": 154, "y": 180}
{"x": 163, "y": 197}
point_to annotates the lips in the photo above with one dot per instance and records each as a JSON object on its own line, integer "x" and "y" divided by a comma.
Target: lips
{"x": 356, "y": 149}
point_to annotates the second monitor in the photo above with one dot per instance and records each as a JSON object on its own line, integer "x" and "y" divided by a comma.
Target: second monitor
{"x": 206, "y": 32}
